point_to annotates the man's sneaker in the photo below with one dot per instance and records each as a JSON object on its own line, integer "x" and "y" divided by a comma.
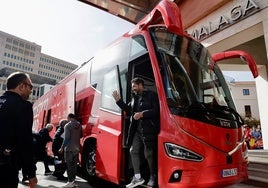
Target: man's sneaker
{"x": 135, "y": 182}
{"x": 70, "y": 185}
{"x": 152, "y": 181}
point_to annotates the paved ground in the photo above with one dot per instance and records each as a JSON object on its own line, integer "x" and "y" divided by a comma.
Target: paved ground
{"x": 52, "y": 182}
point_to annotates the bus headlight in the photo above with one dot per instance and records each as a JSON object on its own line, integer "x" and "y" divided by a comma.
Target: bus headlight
{"x": 179, "y": 152}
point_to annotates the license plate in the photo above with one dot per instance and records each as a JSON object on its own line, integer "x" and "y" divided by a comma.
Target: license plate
{"x": 229, "y": 172}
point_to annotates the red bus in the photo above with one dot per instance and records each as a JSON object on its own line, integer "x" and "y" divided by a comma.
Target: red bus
{"x": 200, "y": 143}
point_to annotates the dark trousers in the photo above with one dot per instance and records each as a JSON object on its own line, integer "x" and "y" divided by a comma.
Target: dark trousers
{"x": 46, "y": 162}
{"x": 9, "y": 176}
{"x": 149, "y": 150}
{"x": 71, "y": 158}
{"x": 59, "y": 166}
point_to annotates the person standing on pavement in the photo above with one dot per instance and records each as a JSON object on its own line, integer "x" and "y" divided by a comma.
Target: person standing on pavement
{"x": 59, "y": 164}
{"x": 16, "y": 141}
{"x": 42, "y": 145}
{"x": 71, "y": 147}
{"x": 143, "y": 130}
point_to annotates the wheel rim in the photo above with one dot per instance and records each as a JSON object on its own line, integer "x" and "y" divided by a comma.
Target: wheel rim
{"x": 91, "y": 163}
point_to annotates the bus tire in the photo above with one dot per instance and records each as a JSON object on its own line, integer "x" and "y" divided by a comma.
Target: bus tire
{"x": 89, "y": 162}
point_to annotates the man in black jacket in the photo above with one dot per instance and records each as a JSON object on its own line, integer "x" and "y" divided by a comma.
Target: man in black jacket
{"x": 16, "y": 141}
{"x": 41, "y": 143}
{"x": 143, "y": 130}
{"x": 59, "y": 163}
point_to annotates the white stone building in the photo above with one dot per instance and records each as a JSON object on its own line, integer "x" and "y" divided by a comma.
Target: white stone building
{"x": 17, "y": 54}
{"x": 245, "y": 98}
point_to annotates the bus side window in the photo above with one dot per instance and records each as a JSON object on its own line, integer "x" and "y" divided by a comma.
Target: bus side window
{"x": 110, "y": 83}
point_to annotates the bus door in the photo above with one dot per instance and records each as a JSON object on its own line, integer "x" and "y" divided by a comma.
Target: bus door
{"x": 140, "y": 67}
{"x": 109, "y": 134}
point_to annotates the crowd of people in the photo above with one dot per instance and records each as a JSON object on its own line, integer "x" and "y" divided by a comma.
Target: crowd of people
{"x": 65, "y": 148}
{"x": 253, "y": 137}
{"x": 142, "y": 134}
{"x": 20, "y": 149}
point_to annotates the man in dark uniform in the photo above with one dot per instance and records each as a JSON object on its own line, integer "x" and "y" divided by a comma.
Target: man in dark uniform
{"x": 41, "y": 153}
{"x": 16, "y": 141}
{"x": 59, "y": 164}
{"x": 143, "y": 130}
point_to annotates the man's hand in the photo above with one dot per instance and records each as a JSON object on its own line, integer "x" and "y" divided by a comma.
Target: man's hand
{"x": 116, "y": 96}
{"x": 138, "y": 115}
{"x": 32, "y": 182}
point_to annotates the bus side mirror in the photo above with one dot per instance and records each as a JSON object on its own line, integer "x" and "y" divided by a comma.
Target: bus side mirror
{"x": 237, "y": 54}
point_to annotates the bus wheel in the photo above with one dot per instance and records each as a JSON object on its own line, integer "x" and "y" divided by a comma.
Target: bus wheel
{"x": 89, "y": 162}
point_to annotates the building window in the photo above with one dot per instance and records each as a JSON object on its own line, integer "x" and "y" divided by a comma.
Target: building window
{"x": 15, "y": 49}
{"x": 9, "y": 40}
{"x": 8, "y": 46}
{"x": 22, "y": 44}
{"x": 27, "y": 46}
{"x": 245, "y": 91}
{"x": 247, "y": 111}
{"x": 15, "y": 42}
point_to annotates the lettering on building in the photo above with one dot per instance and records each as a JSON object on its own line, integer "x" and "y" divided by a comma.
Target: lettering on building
{"x": 237, "y": 13}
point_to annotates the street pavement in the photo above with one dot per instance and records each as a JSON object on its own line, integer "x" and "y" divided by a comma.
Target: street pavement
{"x": 52, "y": 182}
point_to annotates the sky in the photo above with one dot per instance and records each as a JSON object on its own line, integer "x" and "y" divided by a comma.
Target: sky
{"x": 66, "y": 29}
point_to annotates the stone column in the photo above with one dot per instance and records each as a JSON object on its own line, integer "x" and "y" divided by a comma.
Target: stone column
{"x": 262, "y": 90}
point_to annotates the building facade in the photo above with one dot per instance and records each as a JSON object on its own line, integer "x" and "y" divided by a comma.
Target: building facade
{"x": 245, "y": 98}
{"x": 18, "y": 54}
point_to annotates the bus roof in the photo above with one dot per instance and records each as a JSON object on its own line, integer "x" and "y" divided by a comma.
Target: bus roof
{"x": 167, "y": 13}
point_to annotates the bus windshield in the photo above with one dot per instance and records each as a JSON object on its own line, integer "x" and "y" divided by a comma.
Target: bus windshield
{"x": 189, "y": 81}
